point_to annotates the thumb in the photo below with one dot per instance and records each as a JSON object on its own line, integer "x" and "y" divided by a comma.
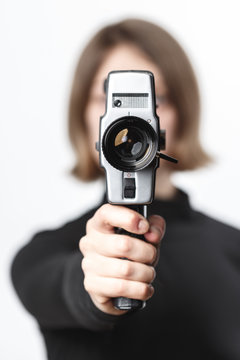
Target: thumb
{"x": 156, "y": 230}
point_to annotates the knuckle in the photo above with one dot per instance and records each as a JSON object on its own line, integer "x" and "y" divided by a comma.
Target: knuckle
{"x": 84, "y": 264}
{"x": 103, "y": 211}
{"x": 82, "y": 244}
{"x": 126, "y": 269}
{"x": 125, "y": 245}
{"x": 133, "y": 219}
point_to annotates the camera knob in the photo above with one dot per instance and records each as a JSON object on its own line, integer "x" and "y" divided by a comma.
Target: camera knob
{"x": 97, "y": 145}
{"x": 117, "y": 103}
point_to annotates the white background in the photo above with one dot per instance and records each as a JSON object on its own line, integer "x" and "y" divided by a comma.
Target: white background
{"x": 40, "y": 45}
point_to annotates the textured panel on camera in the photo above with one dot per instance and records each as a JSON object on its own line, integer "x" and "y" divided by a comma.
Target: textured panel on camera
{"x": 130, "y": 100}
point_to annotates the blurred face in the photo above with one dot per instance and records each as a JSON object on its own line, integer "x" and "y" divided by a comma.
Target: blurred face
{"x": 128, "y": 57}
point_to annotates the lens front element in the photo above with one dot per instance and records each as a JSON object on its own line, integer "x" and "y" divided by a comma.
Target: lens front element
{"x": 130, "y": 143}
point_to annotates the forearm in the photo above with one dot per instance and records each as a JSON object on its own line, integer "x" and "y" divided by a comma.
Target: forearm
{"x": 51, "y": 289}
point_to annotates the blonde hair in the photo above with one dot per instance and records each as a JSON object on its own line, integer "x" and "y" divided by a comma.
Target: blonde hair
{"x": 179, "y": 77}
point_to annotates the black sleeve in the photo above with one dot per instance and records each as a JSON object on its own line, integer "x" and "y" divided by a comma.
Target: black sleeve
{"x": 48, "y": 278}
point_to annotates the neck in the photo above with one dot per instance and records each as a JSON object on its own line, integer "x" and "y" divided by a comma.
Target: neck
{"x": 164, "y": 189}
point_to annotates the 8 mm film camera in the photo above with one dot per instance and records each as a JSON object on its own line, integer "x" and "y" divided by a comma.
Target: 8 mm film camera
{"x": 129, "y": 146}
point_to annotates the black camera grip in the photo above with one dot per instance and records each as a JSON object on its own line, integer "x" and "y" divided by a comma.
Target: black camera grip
{"x": 123, "y": 303}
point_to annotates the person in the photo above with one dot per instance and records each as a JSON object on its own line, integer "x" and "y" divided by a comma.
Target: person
{"x": 187, "y": 270}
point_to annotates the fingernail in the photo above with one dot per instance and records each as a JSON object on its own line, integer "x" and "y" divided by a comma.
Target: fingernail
{"x": 155, "y": 229}
{"x": 143, "y": 225}
{"x": 159, "y": 230}
{"x": 154, "y": 271}
{"x": 151, "y": 288}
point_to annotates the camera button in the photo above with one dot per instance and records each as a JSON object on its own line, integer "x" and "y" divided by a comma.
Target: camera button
{"x": 129, "y": 188}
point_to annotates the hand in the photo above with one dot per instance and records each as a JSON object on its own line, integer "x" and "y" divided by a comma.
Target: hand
{"x": 107, "y": 274}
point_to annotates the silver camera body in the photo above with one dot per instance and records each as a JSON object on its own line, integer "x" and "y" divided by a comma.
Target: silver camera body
{"x": 129, "y": 137}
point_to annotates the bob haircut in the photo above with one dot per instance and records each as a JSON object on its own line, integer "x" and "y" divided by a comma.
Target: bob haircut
{"x": 179, "y": 77}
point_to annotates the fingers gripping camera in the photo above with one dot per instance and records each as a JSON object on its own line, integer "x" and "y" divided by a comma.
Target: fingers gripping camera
{"x": 129, "y": 147}
{"x": 129, "y": 137}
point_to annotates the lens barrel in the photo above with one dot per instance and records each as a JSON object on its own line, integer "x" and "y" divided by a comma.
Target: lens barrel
{"x": 130, "y": 144}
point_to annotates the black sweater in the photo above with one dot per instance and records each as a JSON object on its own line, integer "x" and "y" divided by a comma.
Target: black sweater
{"x": 193, "y": 314}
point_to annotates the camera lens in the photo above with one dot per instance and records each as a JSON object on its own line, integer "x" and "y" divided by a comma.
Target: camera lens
{"x": 130, "y": 144}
